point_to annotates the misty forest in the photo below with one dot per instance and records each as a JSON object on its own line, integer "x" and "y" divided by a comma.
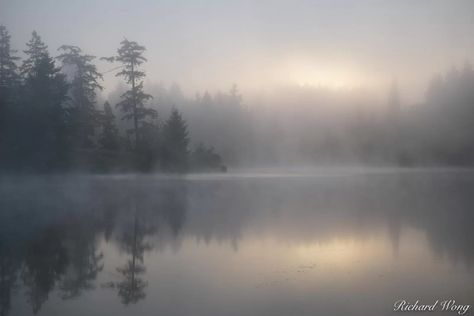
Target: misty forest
{"x": 236, "y": 158}
{"x": 53, "y": 120}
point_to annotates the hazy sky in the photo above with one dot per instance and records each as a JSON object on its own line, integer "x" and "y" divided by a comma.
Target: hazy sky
{"x": 256, "y": 44}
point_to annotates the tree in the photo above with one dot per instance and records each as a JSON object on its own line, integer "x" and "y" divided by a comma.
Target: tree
{"x": 449, "y": 107}
{"x": 83, "y": 90}
{"x": 42, "y": 131}
{"x": 8, "y": 67}
{"x": 9, "y": 80}
{"x": 37, "y": 51}
{"x": 175, "y": 143}
{"x": 109, "y": 139}
{"x": 130, "y": 54}
{"x": 205, "y": 158}
{"x": 150, "y": 146}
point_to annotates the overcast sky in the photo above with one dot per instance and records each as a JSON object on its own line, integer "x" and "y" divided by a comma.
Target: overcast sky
{"x": 256, "y": 44}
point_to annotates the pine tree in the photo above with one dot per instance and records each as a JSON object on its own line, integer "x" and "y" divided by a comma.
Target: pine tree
{"x": 43, "y": 130}
{"x": 8, "y": 67}
{"x": 37, "y": 51}
{"x": 175, "y": 143}
{"x": 83, "y": 90}
{"x": 130, "y": 54}
{"x": 109, "y": 138}
{"x": 9, "y": 81}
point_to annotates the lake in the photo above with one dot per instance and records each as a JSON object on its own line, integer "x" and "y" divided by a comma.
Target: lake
{"x": 320, "y": 242}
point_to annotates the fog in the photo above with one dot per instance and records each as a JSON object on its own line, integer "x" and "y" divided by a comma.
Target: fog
{"x": 236, "y": 158}
{"x": 291, "y": 126}
{"x": 278, "y": 83}
{"x": 209, "y": 45}
{"x": 241, "y": 244}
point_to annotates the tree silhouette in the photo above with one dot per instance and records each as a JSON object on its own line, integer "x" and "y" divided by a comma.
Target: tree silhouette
{"x": 84, "y": 84}
{"x": 205, "y": 158}
{"x": 449, "y": 107}
{"x": 8, "y": 67}
{"x": 36, "y": 51}
{"x": 85, "y": 262}
{"x": 175, "y": 143}
{"x": 130, "y": 54}
{"x": 109, "y": 138}
{"x": 9, "y": 80}
{"x": 131, "y": 287}
{"x": 49, "y": 120}
{"x": 43, "y": 134}
{"x": 150, "y": 145}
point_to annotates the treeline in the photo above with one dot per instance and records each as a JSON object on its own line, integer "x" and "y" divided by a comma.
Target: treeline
{"x": 438, "y": 131}
{"x": 305, "y": 126}
{"x": 50, "y": 119}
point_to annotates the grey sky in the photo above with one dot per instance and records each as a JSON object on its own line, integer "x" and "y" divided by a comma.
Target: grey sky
{"x": 257, "y": 44}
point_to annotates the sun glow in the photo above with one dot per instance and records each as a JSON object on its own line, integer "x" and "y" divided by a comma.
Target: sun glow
{"x": 305, "y": 72}
{"x": 341, "y": 252}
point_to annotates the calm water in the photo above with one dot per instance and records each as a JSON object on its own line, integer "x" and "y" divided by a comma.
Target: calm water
{"x": 339, "y": 242}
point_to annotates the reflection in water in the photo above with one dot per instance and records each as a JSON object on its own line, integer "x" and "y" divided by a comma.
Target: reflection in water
{"x": 8, "y": 273}
{"x": 60, "y": 237}
{"x": 44, "y": 263}
{"x": 143, "y": 219}
{"x": 131, "y": 287}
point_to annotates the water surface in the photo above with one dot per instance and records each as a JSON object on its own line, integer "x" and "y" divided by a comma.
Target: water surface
{"x": 327, "y": 242}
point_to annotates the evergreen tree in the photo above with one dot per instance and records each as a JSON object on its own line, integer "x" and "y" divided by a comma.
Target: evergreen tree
{"x": 36, "y": 51}
{"x": 109, "y": 138}
{"x": 42, "y": 134}
{"x": 83, "y": 87}
{"x": 175, "y": 143}
{"x": 8, "y": 67}
{"x": 8, "y": 84}
{"x": 130, "y": 54}
{"x": 205, "y": 158}
{"x": 150, "y": 146}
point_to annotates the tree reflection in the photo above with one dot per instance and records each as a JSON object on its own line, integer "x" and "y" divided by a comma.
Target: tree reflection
{"x": 173, "y": 207}
{"x": 131, "y": 287}
{"x": 8, "y": 276}
{"x": 45, "y": 262}
{"x": 53, "y": 244}
{"x": 168, "y": 206}
{"x": 85, "y": 261}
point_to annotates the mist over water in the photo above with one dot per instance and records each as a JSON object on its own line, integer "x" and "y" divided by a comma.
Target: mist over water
{"x": 306, "y": 84}
{"x": 241, "y": 158}
{"x": 236, "y": 244}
